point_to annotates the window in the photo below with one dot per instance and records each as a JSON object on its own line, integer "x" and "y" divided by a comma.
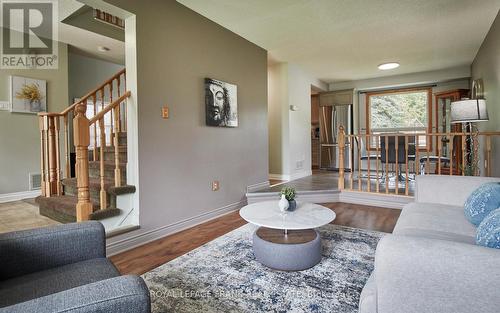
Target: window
{"x": 399, "y": 111}
{"x": 107, "y": 123}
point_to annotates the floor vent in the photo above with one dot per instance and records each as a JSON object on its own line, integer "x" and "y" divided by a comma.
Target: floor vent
{"x": 35, "y": 181}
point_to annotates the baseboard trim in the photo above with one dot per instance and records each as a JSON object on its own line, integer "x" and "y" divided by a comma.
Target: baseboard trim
{"x": 279, "y": 177}
{"x": 252, "y": 188}
{"x": 317, "y": 196}
{"x": 326, "y": 196}
{"x": 16, "y": 196}
{"x": 290, "y": 177}
{"x": 373, "y": 199}
{"x": 118, "y": 246}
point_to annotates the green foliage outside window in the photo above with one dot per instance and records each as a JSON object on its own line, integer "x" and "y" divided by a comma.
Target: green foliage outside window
{"x": 399, "y": 110}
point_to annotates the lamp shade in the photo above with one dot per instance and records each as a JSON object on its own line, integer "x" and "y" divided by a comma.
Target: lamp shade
{"x": 468, "y": 111}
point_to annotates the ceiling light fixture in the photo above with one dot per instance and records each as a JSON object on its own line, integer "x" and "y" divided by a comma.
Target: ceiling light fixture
{"x": 388, "y": 66}
{"x": 103, "y": 49}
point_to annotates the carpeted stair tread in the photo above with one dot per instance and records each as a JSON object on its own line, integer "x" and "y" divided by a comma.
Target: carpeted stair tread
{"x": 121, "y": 148}
{"x": 64, "y": 203}
{"x": 60, "y": 208}
{"x": 95, "y": 184}
{"x": 106, "y": 213}
{"x": 107, "y": 165}
{"x": 63, "y": 209}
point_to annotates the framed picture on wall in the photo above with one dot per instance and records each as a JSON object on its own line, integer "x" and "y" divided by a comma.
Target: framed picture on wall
{"x": 28, "y": 95}
{"x": 221, "y": 103}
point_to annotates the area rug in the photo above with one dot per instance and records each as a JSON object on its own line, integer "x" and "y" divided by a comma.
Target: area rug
{"x": 223, "y": 276}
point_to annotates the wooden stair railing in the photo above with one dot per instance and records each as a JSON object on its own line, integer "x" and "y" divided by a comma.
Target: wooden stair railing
{"x": 50, "y": 158}
{"x": 427, "y": 159}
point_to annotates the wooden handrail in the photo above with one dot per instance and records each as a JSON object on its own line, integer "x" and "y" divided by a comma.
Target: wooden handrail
{"x": 88, "y": 95}
{"x": 487, "y": 133}
{"x": 85, "y": 134}
{"x": 109, "y": 107}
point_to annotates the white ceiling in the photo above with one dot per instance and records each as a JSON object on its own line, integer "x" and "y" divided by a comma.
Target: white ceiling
{"x": 342, "y": 40}
{"x": 86, "y": 42}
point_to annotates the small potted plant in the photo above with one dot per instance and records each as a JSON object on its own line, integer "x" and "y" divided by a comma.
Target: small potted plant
{"x": 289, "y": 194}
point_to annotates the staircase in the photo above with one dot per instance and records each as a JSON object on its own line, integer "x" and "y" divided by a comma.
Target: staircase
{"x": 100, "y": 170}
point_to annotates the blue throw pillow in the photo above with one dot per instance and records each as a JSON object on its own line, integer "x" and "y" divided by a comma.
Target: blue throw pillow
{"x": 481, "y": 202}
{"x": 488, "y": 232}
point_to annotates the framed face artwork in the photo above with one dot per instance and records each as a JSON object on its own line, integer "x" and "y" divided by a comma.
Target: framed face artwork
{"x": 221, "y": 103}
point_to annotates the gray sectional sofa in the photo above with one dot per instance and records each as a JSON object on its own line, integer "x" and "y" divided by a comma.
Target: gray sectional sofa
{"x": 64, "y": 269}
{"x": 430, "y": 264}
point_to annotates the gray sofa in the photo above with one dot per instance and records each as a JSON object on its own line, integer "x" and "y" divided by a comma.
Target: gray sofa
{"x": 430, "y": 263}
{"x": 64, "y": 269}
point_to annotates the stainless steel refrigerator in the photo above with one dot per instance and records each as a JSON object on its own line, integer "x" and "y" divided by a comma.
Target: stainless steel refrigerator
{"x": 332, "y": 114}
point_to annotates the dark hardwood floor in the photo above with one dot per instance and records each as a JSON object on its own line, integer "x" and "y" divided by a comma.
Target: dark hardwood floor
{"x": 144, "y": 258}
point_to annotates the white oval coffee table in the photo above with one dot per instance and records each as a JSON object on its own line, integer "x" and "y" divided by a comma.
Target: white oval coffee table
{"x": 287, "y": 241}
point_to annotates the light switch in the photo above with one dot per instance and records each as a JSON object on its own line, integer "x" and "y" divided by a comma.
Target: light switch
{"x": 4, "y": 106}
{"x": 164, "y": 112}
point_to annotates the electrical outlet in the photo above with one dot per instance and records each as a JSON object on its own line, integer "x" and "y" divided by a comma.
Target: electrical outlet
{"x": 299, "y": 164}
{"x": 215, "y": 185}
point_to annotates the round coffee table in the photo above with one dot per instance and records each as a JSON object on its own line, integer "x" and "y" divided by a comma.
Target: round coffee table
{"x": 287, "y": 241}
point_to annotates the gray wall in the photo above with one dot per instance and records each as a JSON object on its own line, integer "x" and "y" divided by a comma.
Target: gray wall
{"x": 19, "y": 133}
{"x": 486, "y": 65}
{"x": 85, "y": 74}
{"x": 180, "y": 156}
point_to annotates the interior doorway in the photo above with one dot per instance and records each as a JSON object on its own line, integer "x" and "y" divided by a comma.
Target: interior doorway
{"x": 315, "y": 130}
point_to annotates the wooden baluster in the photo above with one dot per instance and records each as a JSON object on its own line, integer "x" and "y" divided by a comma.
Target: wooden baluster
{"x": 463, "y": 154}
{"x": 102, "y": 193}
{"x": 417, "y": 157}
{"x": 360, "y": 182}
{"x": 450, "y": 153}
{"x": 439, "y": 141}
{"x": 377, "y": 152}
{"x": 102, "y": 108}
{"x": 52, "y": 156}
{"x": 94, "y": 151}
{"x": 386, "y": 164}
{"x": 351, "y": 160}
{"x": 125, "y": 104}
{"x": 427, "y": 165}
{"x": 341, "y": 140}
{"x": 66, "y": 147}
{"x": 81, "y": 134}
{"x": 47, "y": 153}
{"x": 118, "y": 109}
{"x": 43, "y": 170}
{"x": 368, "y": 145}
{"x": 396, "y": 145}
{"x": 112, "y": 112}
{"x": 406, "y": 165}
{"x": 118, "y": 179}
{"x": 488, "y": 155}
{"x": 58, "y": 157}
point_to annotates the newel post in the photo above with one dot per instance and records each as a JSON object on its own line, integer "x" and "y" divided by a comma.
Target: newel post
{"x": 341, "y": 142}
{"x": 81, "y": 137}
